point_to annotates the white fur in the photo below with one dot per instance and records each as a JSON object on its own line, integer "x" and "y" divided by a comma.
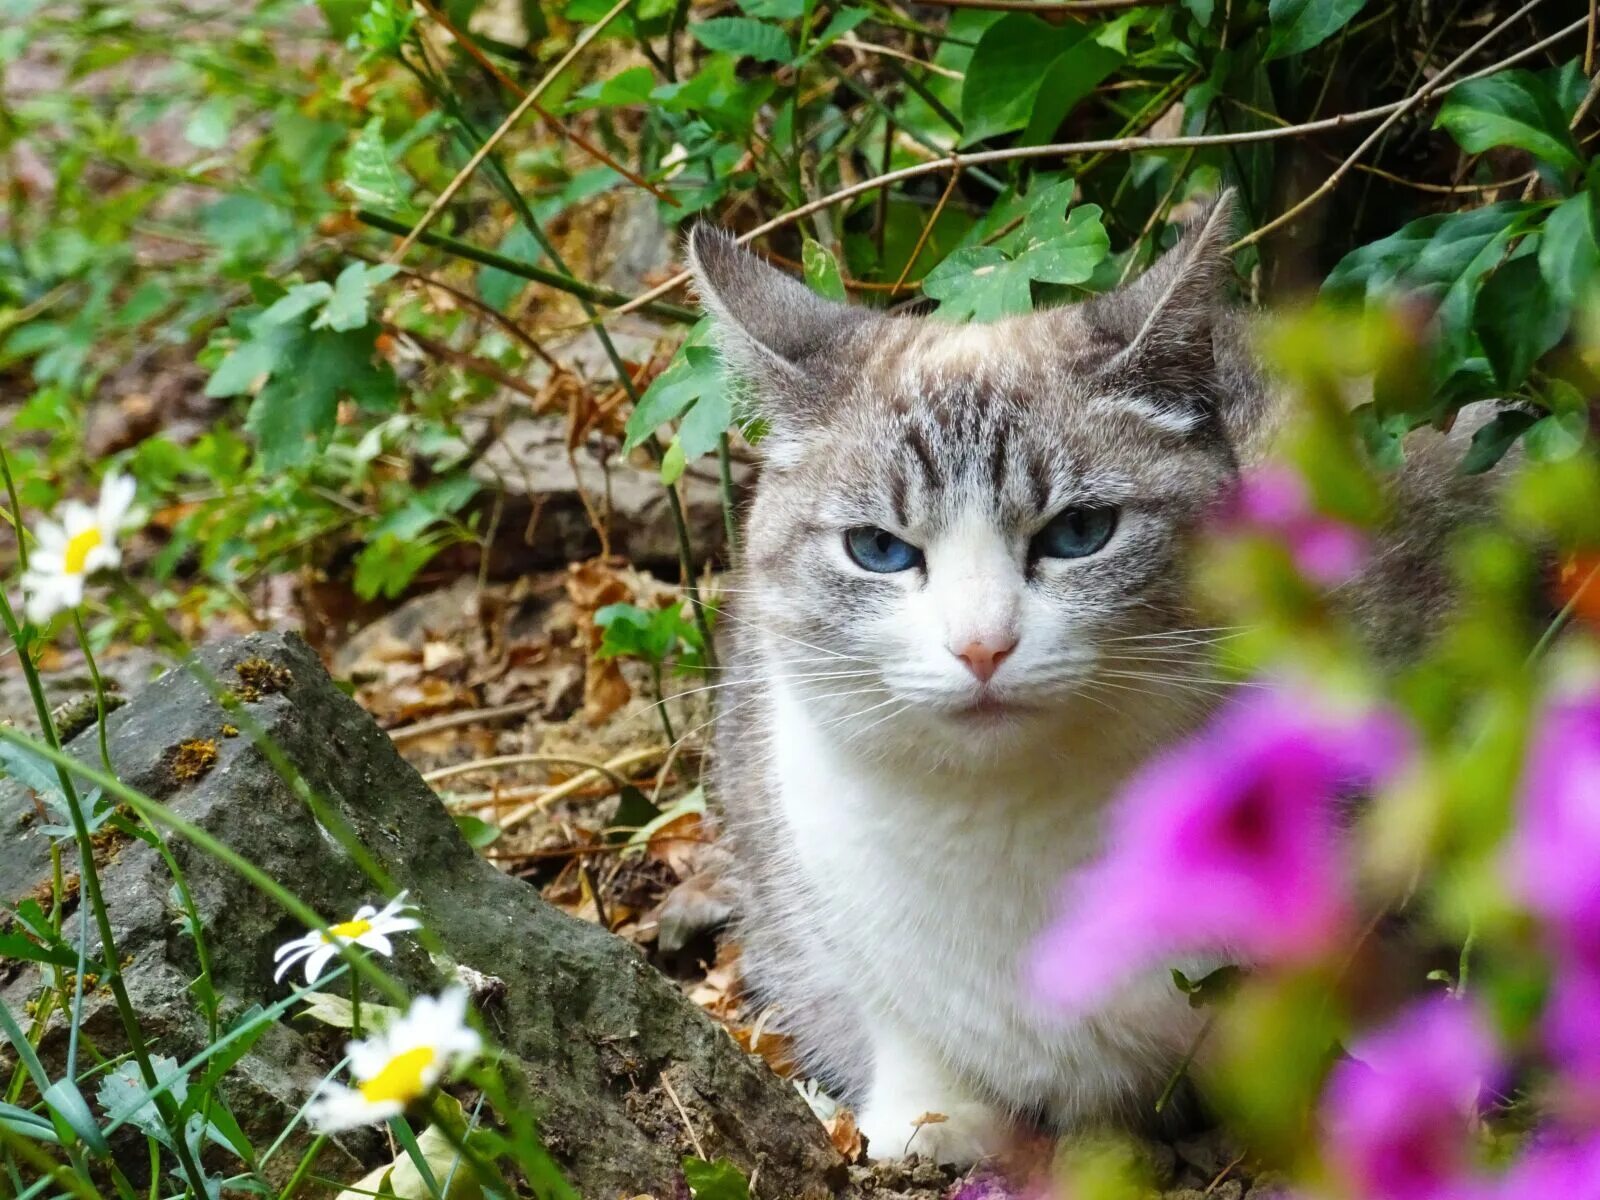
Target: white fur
{"x": 937, "y": 884}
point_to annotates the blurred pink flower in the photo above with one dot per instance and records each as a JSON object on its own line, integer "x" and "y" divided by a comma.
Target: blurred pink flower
{"x": 1555, "y": 868}
{"x": 1397, "y": 1111}
{"x": 1230, "y": 844}
{"x": 1274, "y": 500}
{"x": 1555, "y": 1171}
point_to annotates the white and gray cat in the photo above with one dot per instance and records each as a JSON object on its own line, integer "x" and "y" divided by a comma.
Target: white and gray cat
{"x": 959, "y": 624}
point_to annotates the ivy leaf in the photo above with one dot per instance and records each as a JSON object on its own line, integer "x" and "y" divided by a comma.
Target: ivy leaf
{"x": 989, "y": 282}
{"x": 1510, "y": 108}
{"x": 744, "y": 37}
{"x": 821, "y": 270}
{"x": 1298, "y": 25}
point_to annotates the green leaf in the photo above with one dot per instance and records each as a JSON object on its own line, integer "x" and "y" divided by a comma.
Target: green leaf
{"x": 989, "y": 282}
{"x": 28, "y": 1124}
{"x": 1510, "y": 108}
{"x": 744, "y": 37}
{"x": 209, "y": 124}
{"x": 623, "y": 90}
{"x": 312, "y": 370}
{"x": 1444, "y": 258}
{"x": 1569, "y": 252}
{"x": 479, "y": 834}
{"x": 719, "y": 1180}
{"x": 14, "y": 945}
{"x": 66, "y": 1101}
{"x": 695, "y": 371}
{"x": 1494, "y": 439}
{"x": 296, "y": 302}
{"x": 673, "y": 463}
{"x": 347, "y": 304}
{"x": 335, "y": 1010}
{"x": 821, "y": 270}
{"x": 1075, "y": 73}
{"x": 31, "y": 770}
{"x": 1027, "y": 73}
{"x": 369, "y": 175}
{"x": 1201, "y": 10}
{"x": 388, "y": 563}
{"x": 776, "y": 10}
{"x": 1517, "y": 318}
{"x": 1556, "y": 437}
{"x": 1298, "y": 25}
{"x": 123, "y": 1095}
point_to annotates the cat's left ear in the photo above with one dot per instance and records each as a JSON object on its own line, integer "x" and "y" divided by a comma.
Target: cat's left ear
{"x": 1167, "y": 318}
{"x": 772, "y": 329}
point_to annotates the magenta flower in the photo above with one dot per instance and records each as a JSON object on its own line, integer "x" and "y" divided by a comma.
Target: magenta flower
{"x": 1397, "y": 1112}
{"x": 1273, "y": 499}
{"x": 1228, "y": 845}
{"x": 1555, "y": 1170}
{"x": 1555, "y": 868}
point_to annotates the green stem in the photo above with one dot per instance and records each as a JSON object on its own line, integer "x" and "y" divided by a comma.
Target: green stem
{"x": 16, "y": 510}
{"x": 90, "y": 880}
{"x": 160, "y": 814}
{"x": 355, "y": 1005}
{"x": 303, "y": 1167}
{"x": 512, "y": 266}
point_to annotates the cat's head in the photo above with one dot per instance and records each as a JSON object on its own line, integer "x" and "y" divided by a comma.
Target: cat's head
{"x": 962, "y": 534}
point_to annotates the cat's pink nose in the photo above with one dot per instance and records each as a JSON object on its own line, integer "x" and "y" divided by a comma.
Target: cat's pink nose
{"x": 983, "y": 656}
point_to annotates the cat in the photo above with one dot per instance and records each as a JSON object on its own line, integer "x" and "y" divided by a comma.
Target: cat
{"x": 960, "y": 535}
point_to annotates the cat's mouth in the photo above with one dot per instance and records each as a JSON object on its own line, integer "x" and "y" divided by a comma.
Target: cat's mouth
{"x": 988, "y": 708}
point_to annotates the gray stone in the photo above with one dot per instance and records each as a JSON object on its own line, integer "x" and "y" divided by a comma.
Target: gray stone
{"x": 593, "y": 1033}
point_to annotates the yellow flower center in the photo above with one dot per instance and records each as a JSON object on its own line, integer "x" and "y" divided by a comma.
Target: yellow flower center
{"x": 349, "y": 930}
{"x": 79, "y": 547}
{"x": 401, "y": 1077}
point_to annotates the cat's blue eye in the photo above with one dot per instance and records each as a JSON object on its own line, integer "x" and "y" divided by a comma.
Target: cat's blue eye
{"x": 1075, "y": 532}
{"x": 878, "y": 550}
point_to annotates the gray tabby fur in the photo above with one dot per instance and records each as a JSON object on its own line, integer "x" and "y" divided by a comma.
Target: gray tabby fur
{"x": 898, "y": 852}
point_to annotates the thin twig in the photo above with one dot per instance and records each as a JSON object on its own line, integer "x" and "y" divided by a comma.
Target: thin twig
{"x": 927, "y": 229}
{"x": 505, "y": 126}
{"x": 455, "y": 720}
{"x": 682, "y": 1112}
{"x": 518, "y": 760}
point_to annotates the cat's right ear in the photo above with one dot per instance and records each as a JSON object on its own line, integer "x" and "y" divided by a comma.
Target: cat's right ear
{"x": 771, "y": 328}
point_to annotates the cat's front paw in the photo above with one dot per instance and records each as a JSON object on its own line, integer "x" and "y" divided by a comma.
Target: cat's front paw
{"x": 955, "y": 1134}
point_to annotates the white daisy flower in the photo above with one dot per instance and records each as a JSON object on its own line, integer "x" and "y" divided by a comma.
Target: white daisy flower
{"x": 393, "y": 1068}
{"x": 369, "y": 928}
{"x": 66, "y": 552}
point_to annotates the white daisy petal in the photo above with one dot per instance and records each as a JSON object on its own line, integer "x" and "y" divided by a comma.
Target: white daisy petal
{"x": 377, "y": 943}
{"x": 318, "y": 961}
{"x": 307, "y": 942}
{"x": 289, "y": 960}
{"x": 116, "y": 497}
{"x": 341, "y": 1108}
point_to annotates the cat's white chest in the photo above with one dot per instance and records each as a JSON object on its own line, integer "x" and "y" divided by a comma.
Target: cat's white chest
{"x": 934, "y": 889}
